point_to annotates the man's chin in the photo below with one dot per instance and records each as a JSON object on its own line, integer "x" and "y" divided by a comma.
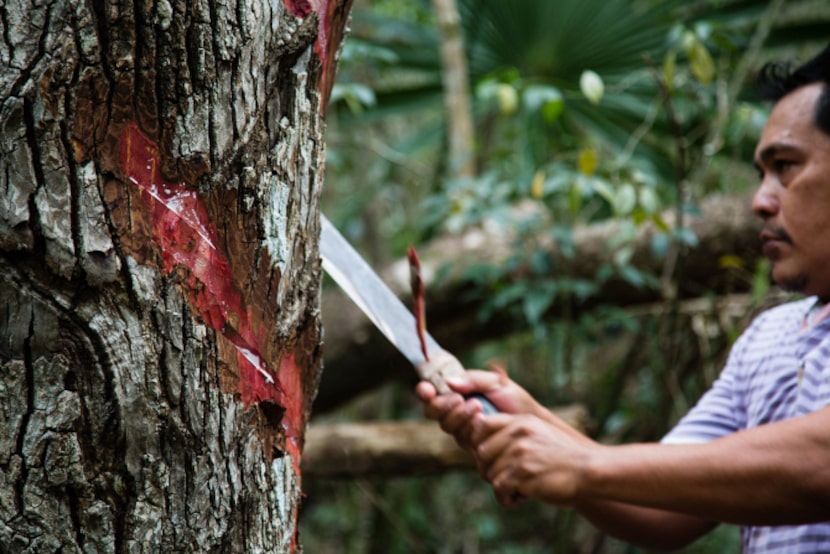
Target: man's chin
{"x": 790, "y": 283}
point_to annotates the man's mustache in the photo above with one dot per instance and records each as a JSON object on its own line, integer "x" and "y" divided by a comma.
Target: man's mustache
{"x": 773, "y": 232}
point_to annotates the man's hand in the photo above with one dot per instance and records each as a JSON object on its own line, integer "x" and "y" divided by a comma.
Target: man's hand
{"x": 455, "y": 413}
{"x": 526, "y": 456}
{"x": 523, "y": 451}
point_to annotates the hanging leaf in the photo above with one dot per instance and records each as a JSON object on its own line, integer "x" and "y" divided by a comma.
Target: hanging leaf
{"x": 761, "y": 280}
{"x": 537, "y": 185}
{"x": 591, "y": 85}
{"x": 508, "y": 99}
{"x": 669, "y": 67}
{"x": 604, "y": 190}
{"x": 685, "y": 236}
{"x": 544, "y": 98}
{"x": 660, "y": 223}
{"x": 700, "y": 61}
{"x": 536, "y": 301}
{"x": 648, "y": 200}
{"x": 575, "y": 198}
{"x": 730, "y": 261}
{"x": 552, "y": 109}
{"x": 356, "y": 96}
{"x": 625, "y": 200}
{"x": 587, "y": 161}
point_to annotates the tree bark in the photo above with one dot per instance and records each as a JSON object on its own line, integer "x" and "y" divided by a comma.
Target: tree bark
{"x": 358, "y": 358}
{"x": 160, "y": 165}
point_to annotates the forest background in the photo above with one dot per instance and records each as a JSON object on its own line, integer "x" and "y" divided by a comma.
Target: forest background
{"x": 557, "y": 176}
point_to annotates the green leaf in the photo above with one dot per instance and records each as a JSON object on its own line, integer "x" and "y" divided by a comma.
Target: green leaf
{"x": 623, "y": 255}
{"x": 552, "y": 109}
{"x": 648, "y": 200}
{"x": 669, "y": 68}
{"x": 592, "y": 86}
{"x": 761, "y": 280}
{"x": 660, "y": 223}
{"x": 509, "y": 294}
{"x": 587, "y": 161}
{"x": 546, "y": 99}
{"x": 700, "y": 61}
{"x": 625, "y": 199}
{"x": 535, "y": 302}
{"x": 633, "y": 276}
{"x": 355, "y": 95}
{"x": 686, "y": 237}
{"x": 508, "y": 99}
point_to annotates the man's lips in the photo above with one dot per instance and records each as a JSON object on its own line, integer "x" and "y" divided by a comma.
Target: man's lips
{"x": 772, "y": 240}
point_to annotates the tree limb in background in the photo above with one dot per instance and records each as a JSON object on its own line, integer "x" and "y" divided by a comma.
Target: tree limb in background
{"x": 393, "y": 448}
{"x": 456, "y": 89}
{"x": 357, "y": 358}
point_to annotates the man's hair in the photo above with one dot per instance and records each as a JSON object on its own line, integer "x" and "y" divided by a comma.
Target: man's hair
{"x": 777, "y": 80}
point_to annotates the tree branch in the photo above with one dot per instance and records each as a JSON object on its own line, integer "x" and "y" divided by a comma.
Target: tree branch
{"x": 393, "y": 448}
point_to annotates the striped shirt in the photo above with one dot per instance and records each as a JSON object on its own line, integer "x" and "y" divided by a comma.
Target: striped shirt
{"x": 776, "y": 370}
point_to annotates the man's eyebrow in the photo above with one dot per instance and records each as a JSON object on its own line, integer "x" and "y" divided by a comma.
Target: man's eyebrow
{"x": 769, "y": 152}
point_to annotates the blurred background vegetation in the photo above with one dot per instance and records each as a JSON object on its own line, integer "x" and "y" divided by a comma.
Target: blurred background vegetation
{"x": 582, "y": 111}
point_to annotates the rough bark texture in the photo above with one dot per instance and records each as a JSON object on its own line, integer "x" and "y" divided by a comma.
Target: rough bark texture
{"x": 160, "y": 167}
{"x": 359, "y": 358}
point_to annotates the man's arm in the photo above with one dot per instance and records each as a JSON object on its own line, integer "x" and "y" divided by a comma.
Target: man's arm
{"x": 776, "y": 474}
{"x": 649, "y": 494}
{"x": 645, "y": 527}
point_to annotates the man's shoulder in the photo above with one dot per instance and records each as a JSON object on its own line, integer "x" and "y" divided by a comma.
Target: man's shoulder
{"x": 784, "y": 318}
{"x": 794, "y": 308}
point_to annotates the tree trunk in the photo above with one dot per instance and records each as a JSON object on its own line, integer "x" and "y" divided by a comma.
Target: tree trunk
{"x": 459, "y": 114}
{"x": 160, "y": 165}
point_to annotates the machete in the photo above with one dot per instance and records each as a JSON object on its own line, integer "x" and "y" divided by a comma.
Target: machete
{"x": 386, "y": 311}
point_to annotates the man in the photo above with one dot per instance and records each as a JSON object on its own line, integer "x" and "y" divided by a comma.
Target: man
{"x": 755, "y": 451}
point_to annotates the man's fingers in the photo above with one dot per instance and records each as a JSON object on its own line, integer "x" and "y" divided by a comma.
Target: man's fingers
{"x": 459, "y": 420}
{"x": 487, "y": 427}
{"x": 506, "y": 491}
{"x": 491, "y": 439}
{"x": 476, "y": 380}
{"x": 425, "y": 391}
{"x": 440, "y": 405}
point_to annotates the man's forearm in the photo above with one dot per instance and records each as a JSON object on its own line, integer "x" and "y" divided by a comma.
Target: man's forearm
{"x": 776, "y": 474}
{"x": 645, "y": 527}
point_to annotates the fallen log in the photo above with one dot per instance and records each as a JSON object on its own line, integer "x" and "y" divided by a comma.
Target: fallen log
{"x": 393, "y": 448}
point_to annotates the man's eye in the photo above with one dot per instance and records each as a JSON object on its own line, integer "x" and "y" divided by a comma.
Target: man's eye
{"x": 783, "y": 165}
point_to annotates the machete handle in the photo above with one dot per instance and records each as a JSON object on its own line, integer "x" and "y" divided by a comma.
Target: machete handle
{"x": 442, "y": 366}
{"x": 487, "y": 407}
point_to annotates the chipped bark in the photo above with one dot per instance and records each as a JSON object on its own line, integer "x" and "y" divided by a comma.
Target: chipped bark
{"x": 133, "y": 417}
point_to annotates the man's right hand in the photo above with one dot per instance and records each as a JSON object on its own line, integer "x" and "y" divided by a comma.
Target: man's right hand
{"x": 456, "y": 414}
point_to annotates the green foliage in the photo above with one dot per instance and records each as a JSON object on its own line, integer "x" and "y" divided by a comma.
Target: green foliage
{"x": 585, "y": 111}
{"x": 531, "y": 64}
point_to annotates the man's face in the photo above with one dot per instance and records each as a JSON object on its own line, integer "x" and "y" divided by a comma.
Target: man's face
{"x": 793, "y": 157}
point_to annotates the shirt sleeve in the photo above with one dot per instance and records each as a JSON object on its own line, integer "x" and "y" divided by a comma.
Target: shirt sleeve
{"x": 719, "y": 411}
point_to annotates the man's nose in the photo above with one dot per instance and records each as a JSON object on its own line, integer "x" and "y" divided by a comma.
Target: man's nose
{"x": 766, "y": 203}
